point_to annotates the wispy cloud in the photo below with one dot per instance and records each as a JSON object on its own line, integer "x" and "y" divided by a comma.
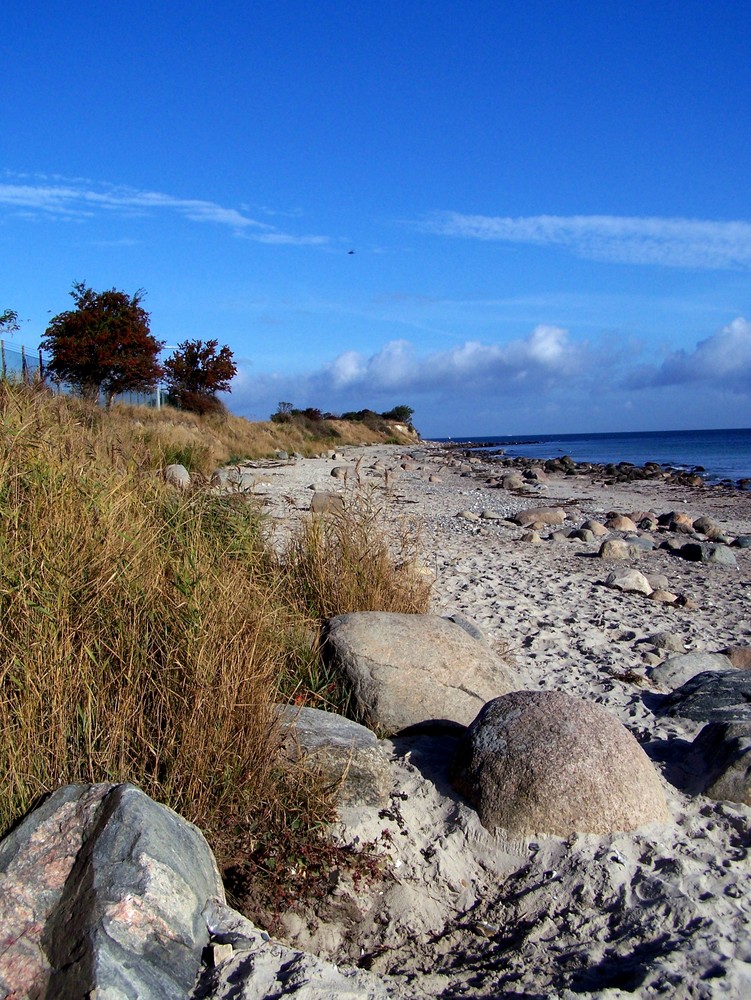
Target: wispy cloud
{"x": 85, "y": 200}
{"x": 690, "y": 243}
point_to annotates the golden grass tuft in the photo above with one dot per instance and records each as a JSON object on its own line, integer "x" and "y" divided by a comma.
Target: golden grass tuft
{"x": 355, "y": 560}
{"x": 145, "y": 633}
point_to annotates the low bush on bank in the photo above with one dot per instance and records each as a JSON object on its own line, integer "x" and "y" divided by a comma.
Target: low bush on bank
{"x": 145, "y": 633}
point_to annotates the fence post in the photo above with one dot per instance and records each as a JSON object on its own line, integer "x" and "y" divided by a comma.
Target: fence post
{"x": 24, "y": 372}
{"x": 2, "y": 351}
{"x": 41, "y": 366}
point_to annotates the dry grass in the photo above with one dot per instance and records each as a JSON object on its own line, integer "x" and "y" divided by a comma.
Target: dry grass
{"x": 145, "y": 633}
{"x": 355, "y": 560}
{"x": 203, "y": 443}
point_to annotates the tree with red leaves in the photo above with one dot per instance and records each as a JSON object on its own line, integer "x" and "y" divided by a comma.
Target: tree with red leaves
{"x": 196, "y": 372}
{"x": 103, "y": 345}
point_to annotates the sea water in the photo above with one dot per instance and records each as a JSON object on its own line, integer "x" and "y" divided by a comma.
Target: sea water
{"x": 722, "y": 454}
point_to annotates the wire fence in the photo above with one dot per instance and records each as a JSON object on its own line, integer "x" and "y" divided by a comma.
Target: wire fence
{"x": 21, "y": 365}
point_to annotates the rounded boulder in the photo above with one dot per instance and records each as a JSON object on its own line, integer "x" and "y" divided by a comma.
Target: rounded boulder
{"x": 406, "y": 669}
{"x": 544, "y": 762}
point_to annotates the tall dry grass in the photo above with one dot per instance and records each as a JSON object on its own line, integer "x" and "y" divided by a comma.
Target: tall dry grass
{"x": 140, "y": 630}
{"x": 359, "y": 559}
{"x": 201, "y": 443}
{"x": 145, "y": 633}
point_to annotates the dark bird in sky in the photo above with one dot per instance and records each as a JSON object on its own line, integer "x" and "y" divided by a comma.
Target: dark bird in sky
{"x": 350, "y": 251}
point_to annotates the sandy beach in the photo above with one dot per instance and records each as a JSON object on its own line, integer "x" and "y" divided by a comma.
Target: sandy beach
{"x": 662, "y": 911}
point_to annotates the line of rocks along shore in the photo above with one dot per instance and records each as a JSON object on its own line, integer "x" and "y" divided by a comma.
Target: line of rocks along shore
{"x": 611, "y": 473}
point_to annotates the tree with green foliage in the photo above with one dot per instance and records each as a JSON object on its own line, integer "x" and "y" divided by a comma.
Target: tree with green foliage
{"x": 9, "y": 322}
{"x": 103, "y": 345}
{"x": 400, "y": 415}
{"x": 196, "y": 372}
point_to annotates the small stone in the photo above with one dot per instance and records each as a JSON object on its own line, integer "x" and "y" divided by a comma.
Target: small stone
{"x": 584, "y": 535}
{"x": 631, "y": 581}
{"x": 664, "y": 596}
{"x": 468, "y": 515}
{"x": 221, "y": 953}
{"x": 177, "y": 475}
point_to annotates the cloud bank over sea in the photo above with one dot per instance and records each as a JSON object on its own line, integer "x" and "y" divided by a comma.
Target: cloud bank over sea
{"x": 529, "y": 383}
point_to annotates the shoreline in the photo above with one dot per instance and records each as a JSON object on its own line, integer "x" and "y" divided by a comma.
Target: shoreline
{"x": 688, "y": 475}
{"x": 678, "y": 894}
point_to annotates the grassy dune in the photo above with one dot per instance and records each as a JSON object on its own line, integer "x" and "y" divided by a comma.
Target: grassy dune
{"x": 202, "y": 443}
{"x": 145, "y": 633}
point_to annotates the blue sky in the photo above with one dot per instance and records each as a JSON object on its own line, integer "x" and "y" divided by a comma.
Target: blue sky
{"x": 548, "y": 201}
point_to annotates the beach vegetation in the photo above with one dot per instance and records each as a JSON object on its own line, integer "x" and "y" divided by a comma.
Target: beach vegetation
{"x": 146, "y": 632}
{"x": 400, "y": 414}
{"x": 9, "y": 323}
{"x": 287, "y": 413}
{"x": 196, "y": 372}
{"x": 104, "y": 345}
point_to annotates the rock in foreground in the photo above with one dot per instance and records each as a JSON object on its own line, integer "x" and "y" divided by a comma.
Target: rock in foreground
{"x": 102, "y": 894}
{"x": 545, "y": 762}
{"x": 407, "y": 669}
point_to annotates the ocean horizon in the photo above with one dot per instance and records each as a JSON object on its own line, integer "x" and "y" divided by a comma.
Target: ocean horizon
{"x": 718, "y": 455}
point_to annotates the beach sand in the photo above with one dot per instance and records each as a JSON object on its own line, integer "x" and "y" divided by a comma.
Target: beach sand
{"x": 664, "y": 911}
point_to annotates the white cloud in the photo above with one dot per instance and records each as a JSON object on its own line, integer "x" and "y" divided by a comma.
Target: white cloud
{"x": 692, "y": 243}
{"x": 540, "y": 383}
{"x": 346, "y": 369}
{"x": 723, "y": 359}
{"x": 83, "y": 200}
{"x": 546, "y": 356}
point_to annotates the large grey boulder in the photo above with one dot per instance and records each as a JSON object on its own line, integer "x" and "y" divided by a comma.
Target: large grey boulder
{"x": 102, "y": 894}
{"x": 342, "y": 753}
{"x": 545, "y": 762}
{"x": 676, "y": 670}
{"x": 722, "y": 755}
{"x": 406, "y": 669}
{"x": 708, "y": 552}
{"x": 713, "y": 696}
